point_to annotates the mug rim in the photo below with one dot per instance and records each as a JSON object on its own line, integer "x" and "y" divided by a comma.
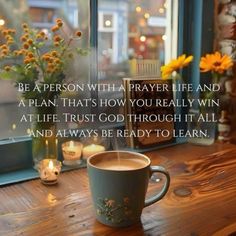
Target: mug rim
{"x": 127, "y": 152}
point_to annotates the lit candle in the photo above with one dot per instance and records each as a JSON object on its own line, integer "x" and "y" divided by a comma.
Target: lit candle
{"x": 92, "y": 149}
{"x": 49, "y": 171}
{"x": 56, "y": 142}
{"x": 47, "y": 149}
{"x": 72, "y": 152}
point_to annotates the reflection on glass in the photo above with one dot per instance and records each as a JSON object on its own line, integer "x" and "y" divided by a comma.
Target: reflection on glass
{"x": 130, "y": 31}
{"x": 41, "y": 15}
{"x": 131, "y": 40}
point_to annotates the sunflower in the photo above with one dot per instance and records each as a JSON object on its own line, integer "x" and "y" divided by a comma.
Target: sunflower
{"x": 175, "y": 65}
{"x": 216, "y": 63}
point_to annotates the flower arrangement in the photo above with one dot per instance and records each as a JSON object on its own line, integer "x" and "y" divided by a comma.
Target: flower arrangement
{"x": 174, "y": 66}
{"x": 37, "y": 58}
{"x": 215, "y": 63}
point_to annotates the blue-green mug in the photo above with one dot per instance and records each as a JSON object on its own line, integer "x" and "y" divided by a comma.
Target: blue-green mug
{"x": 118, "y": 183}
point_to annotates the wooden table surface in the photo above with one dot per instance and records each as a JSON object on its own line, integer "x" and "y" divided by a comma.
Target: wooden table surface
{"x": 201, "y": 199}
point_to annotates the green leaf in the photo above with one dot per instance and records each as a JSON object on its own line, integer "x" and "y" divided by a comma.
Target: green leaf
{"x": 41, "y": 44}
{"x": 83, "y": 52}
{"x": 7, "y": 75}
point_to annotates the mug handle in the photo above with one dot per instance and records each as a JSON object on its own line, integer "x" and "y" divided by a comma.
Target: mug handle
{"x": 165, "y": 188}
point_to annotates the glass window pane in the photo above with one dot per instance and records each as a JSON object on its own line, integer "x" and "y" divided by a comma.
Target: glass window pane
{"x": 41, "y": 14}
{"x": 134, "y": 39}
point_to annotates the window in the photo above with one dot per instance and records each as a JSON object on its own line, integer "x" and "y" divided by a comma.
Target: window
{"x": 131, "y": 33}
{"x": 134, "y": 38}
{"x": 41, "y": 15}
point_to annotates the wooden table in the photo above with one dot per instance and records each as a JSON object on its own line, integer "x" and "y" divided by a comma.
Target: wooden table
{"x": 201, "y": 199}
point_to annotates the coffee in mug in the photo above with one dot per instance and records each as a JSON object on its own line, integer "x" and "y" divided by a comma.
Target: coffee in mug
{"x": 118, "y": 183}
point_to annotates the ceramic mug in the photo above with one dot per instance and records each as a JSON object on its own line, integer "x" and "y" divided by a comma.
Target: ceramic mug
{"x": 118, "y": 183}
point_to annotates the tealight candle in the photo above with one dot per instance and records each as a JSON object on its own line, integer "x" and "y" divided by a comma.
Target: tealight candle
{"x": 72, "y": 153}
{"x": 49, "y": 169}
{"x": 92, "y": 149}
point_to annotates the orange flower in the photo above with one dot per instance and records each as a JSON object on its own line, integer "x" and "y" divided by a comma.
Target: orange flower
{"x": 23, "y": 39}
{"x": 10, "y": 41}
{"x": 57, "y": 61}
{"x": 22, "y": 51}
{"x": 215, "y": 63}
{"x": 54, "y": 53}
{"x": 59, "y": 23}
{"x": 26, "y": 45}
{"x": 24, "y": 25}
{"x": 78, "y": 33}
{"x": 46, "y": 57}
{"x": 30, "y": 55}
{"x": 42, "y": 34}
{"x": 8, "y": 37}
{"x": 57, "y": 38}
{"x": 7, "y": 68}
{"x": 27, "y": 61}
{"x": 56, "y": 44}
{"x": 58, "y": 20}
{"x": 4, "y": 46}
{"x": 19, "y": 53}
{"x": 5, "y": 32}
{"x": 5, "y": 51}
{"x": 32, "y": 59}
{"x": 55, "y": 28}
{"x": 30, "y": 41}
{"x": 175, "y": 65}
{"x": 11, "y": 31}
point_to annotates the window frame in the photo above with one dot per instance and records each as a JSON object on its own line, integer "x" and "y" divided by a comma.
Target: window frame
{"x": 190, "y": 14}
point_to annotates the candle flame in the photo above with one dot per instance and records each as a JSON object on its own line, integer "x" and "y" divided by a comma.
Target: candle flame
{"x": 50, "y": 165}
{"x": 46, "y": 142}
{"x": 71, "y": 144}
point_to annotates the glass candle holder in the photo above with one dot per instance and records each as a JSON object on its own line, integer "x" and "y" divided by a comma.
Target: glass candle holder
{"x": 72, "y": 151}
{"x": 93, "y": 145}
{"x": 49, "y": 170}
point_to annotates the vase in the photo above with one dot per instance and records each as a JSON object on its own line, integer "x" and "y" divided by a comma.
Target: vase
{"x": 44, "y": 141}
{"x": 203, "y": 132}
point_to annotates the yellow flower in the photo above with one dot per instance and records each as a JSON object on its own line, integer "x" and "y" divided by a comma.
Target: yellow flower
{"x": 215, "y": 63}
{"x": 175, "y": 65}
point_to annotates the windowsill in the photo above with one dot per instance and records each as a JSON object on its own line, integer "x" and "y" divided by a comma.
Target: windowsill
{"x": 28, "y": 174}
{"x": 16, "y": 164}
